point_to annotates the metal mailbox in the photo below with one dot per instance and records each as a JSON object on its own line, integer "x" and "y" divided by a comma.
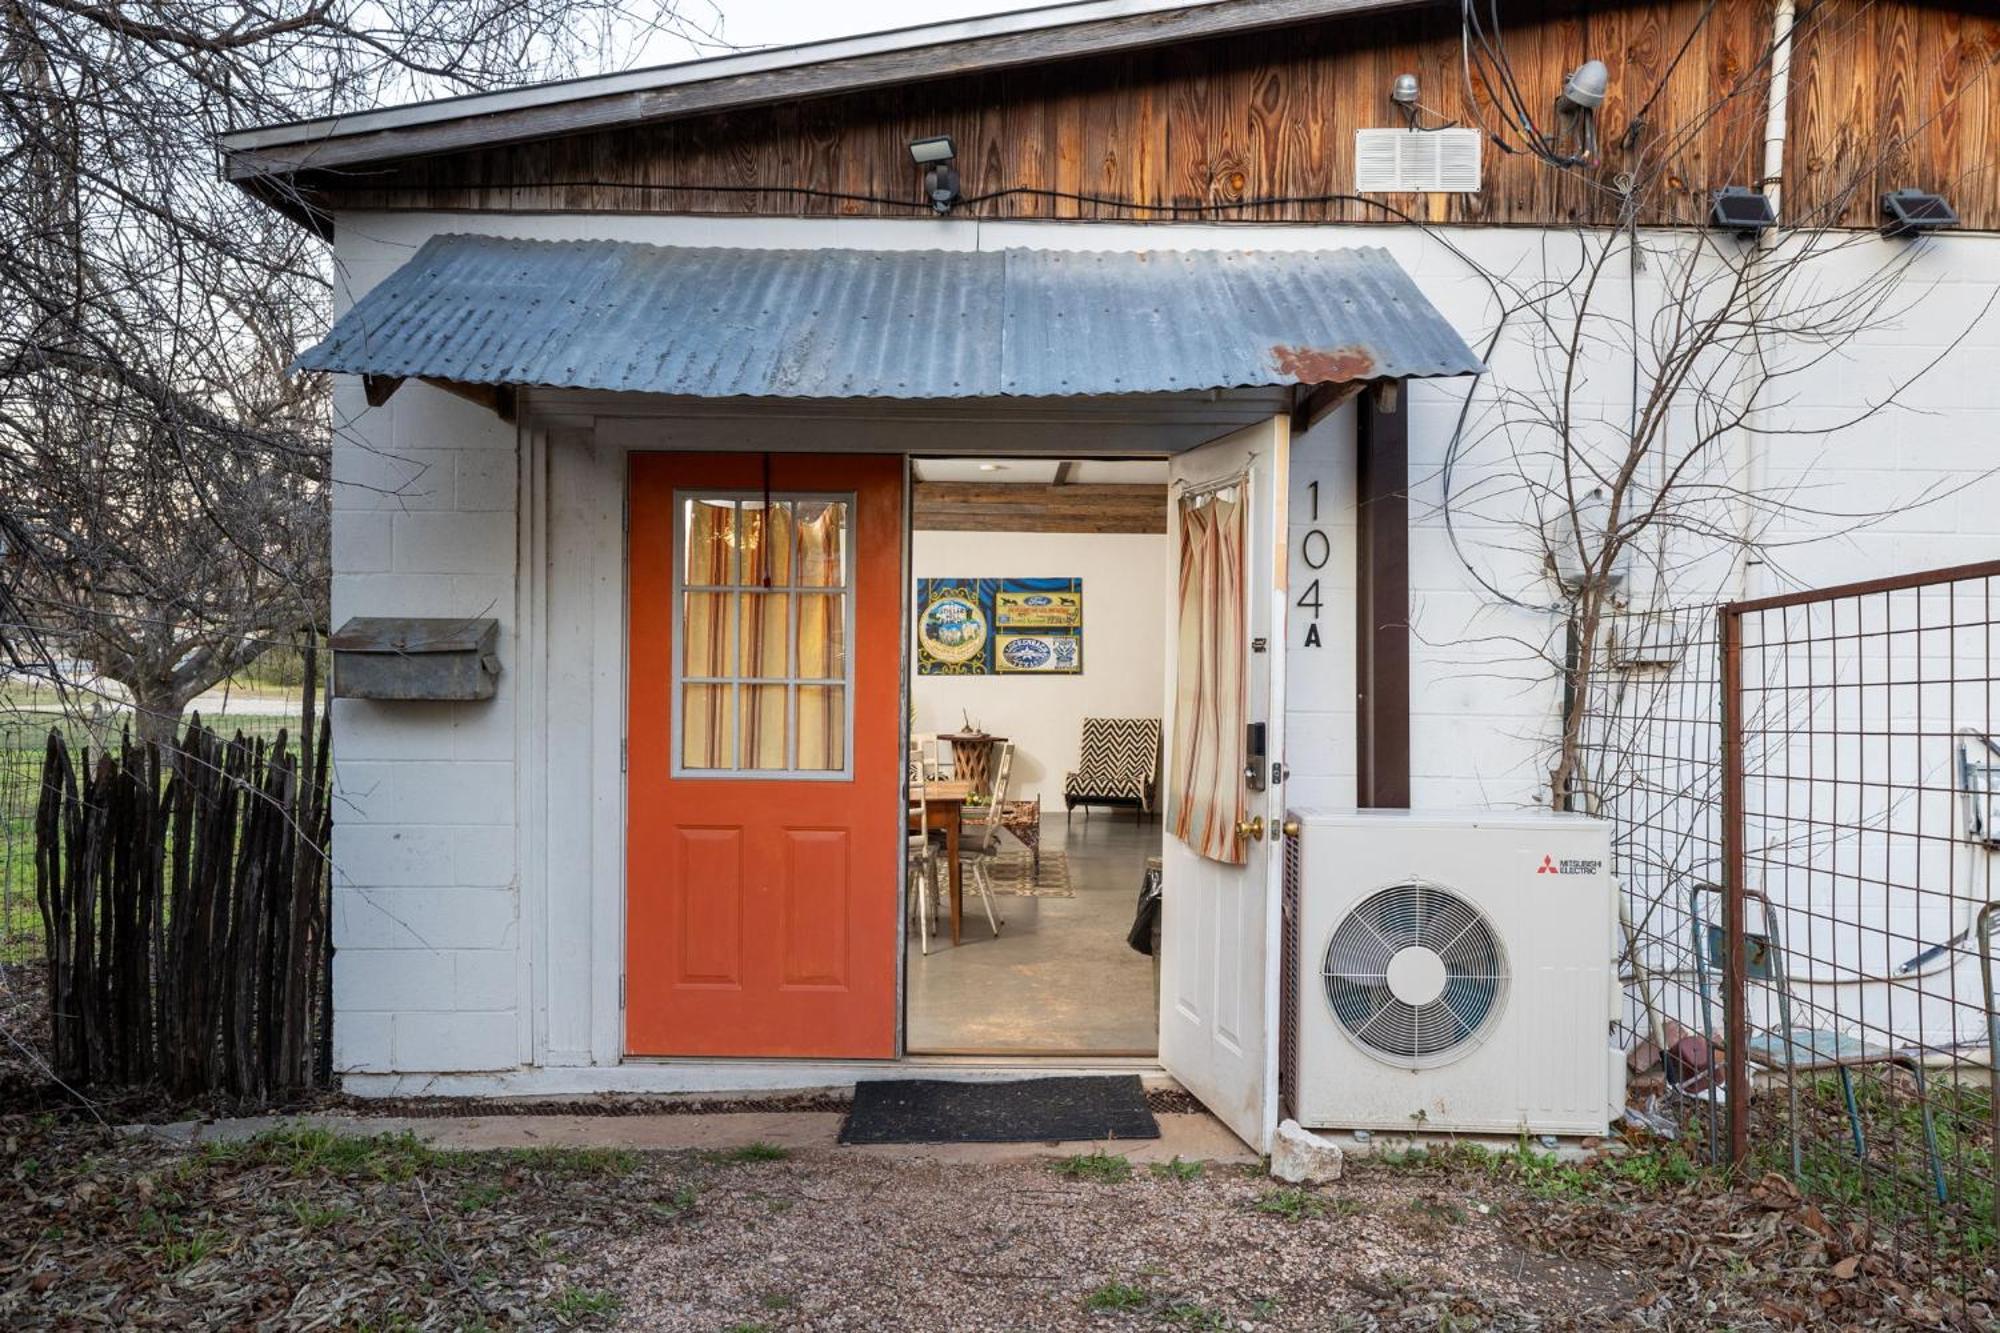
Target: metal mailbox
{"x": 415, "y": 657}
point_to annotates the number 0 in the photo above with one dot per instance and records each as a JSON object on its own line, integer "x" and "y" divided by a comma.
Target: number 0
{"x": 1325, "y": 549}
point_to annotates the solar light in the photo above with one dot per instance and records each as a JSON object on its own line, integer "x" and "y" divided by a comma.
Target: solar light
{"x": 1740, "y": 209}
{"x": 940, "y": 176}
{"x": 1913, "y": 211}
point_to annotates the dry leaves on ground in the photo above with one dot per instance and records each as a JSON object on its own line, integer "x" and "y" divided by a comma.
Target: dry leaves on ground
{"x": 305, "y": 1229}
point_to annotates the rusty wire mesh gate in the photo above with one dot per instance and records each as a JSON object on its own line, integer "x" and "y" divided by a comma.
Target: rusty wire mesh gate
{"x": 1804, "y": 792}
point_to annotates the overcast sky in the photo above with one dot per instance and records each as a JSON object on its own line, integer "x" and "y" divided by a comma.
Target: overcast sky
{"x": 787, "y": 22}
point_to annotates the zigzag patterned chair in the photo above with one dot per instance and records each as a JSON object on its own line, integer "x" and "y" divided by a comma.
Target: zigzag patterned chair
{"x": 1120, "y": 764}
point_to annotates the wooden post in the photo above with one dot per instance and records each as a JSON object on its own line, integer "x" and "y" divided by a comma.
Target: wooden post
{"x": 1735, "y": 866}
{"x": 1382, "y": 598}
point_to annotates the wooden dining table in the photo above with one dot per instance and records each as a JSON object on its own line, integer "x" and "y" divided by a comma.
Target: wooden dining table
{"x": 944, "y": 808}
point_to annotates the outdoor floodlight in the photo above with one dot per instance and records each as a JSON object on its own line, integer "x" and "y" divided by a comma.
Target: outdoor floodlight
{"x": 1740, "y": 209}
{"x": 1586, "y": 87}
{"x": 935, "y": 156}
{"x": 1913, "y": 211}
{"x": 1576, "y": 110}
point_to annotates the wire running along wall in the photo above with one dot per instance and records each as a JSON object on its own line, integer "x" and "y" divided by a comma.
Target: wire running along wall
{"x": 1830, "y": 756}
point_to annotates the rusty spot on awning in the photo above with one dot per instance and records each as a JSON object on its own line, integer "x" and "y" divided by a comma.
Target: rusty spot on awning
{"x": 1323, "y": 365}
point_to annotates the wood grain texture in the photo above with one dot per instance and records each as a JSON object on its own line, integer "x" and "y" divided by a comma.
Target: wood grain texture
{"x": 1259, "y": 126}
{"x": 971, "y": 506}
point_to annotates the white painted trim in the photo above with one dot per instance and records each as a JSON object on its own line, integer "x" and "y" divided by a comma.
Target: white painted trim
{"x": 531, "y": 639}
{"x": 709, "y": 70}
{"x": 655, "y": 1077}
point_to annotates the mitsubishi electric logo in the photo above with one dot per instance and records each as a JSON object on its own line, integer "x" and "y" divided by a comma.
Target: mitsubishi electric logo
{"x": 1569, "y": 866}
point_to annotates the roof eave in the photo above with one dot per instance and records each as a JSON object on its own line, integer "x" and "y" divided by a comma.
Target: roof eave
{"x": 817, "y": 70}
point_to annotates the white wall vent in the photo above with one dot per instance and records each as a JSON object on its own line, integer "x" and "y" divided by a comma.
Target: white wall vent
{"x": 1416, "y": 161}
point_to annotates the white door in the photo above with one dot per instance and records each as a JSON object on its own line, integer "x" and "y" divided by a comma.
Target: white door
{"x": 1218, "y": 969}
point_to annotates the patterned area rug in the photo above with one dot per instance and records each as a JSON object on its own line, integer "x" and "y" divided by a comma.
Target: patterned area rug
{"x": 1012, "y": 872}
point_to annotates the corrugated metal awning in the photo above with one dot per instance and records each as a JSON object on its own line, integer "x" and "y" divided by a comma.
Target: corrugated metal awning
{"x": 722, "y": 323}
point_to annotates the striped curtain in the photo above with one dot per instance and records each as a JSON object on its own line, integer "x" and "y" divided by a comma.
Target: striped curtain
{"x": 708, "y": 724}
{"x": 1211, "y": 702}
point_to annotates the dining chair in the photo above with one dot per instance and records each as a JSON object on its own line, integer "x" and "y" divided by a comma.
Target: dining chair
{"x": 921, "y": 854}
{"x": 937, "y": 755}
{"x": 975, "y": 854}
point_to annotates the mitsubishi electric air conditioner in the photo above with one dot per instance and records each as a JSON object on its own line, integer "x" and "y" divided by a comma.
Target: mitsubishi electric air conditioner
{"x": 1449, "y": 973}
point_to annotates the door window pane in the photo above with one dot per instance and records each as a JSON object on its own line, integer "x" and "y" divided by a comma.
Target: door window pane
{"x": 708, "y": 633}
{"x": 764, "y": 635}
{"x": 764, "y": 726}
{"x": 822, "y": 728}
{"x": 822, "y": 636}
{"x": 767, "y": 543}
{"x": 763, "y": 670}
{"x": 708, "y": 554}
{"x": 822, "y": 544}
{"x": 708, "y": 726}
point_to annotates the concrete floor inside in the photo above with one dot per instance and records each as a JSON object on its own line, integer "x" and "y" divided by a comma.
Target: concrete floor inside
{"x": 1059, "y": 979}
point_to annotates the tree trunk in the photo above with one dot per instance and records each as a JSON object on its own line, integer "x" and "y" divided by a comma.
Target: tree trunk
{"x": 156, "y": 715}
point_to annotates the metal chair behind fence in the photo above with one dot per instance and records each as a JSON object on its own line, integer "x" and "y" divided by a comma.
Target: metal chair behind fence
{"x": 1798, "y": 1050}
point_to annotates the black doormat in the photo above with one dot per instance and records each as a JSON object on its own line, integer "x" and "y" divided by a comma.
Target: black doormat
{"x": 1032, "y": 1110}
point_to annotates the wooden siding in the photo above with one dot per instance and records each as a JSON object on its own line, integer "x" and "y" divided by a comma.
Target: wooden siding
{"x": 1260, "y": 127}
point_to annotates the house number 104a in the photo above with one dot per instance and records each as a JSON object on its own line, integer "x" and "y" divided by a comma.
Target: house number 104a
{"x": 1315, "y": 549}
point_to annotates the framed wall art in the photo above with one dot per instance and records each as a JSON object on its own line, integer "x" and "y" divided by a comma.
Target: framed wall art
{"x": 985, "y": 627}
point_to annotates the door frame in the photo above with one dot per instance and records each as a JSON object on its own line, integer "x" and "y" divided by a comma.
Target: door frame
{"x": 567, "y": 672}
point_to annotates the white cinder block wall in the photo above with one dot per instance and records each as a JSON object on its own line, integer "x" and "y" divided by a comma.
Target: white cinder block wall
{"x": 426, "y": 912}
{"x": 434, "y": 974}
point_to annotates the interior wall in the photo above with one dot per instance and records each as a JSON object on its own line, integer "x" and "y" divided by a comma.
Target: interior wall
{"x": 1124, "y": 643}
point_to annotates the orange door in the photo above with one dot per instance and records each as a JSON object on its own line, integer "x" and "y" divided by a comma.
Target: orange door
{"x": 764, "y": 792}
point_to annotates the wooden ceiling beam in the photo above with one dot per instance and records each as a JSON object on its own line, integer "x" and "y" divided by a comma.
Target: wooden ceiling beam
{"x": 972, "y": 506}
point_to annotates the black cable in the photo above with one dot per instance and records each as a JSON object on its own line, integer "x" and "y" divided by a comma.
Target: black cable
{"x": 1667, "y": 75}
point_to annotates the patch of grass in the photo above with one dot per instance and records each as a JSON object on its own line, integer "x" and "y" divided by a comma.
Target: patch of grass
{"x": 308, "y": 1150}
{"x": 180, "y": 1253}
{"x": 1103, "y": 1167}
{"x": 749, "y": 1326}
{"x": 1291, "y": 1203}
{"x": 314, "y": 1216}
{"x": 573, "y": 1305}
{"x": 680, "y": 1204}
{"x": 1438, "y": 1212}
{"x": 777, "y": 1300}
{"x": 1193, "y": 1314}
{"x": 1116, "y": 1296}
{"x": 577, "y": 1161}
{"x": 750, "y": 1152}
{"x": 1177, "y": 1170}
{"x": 478, "y": 1197}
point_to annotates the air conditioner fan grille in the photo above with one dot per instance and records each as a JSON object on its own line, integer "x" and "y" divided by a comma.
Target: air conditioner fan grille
{"x": 1415, "y": 973}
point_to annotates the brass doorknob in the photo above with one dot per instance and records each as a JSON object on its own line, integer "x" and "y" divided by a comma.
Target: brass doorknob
{"x": 1290, "y": 828}
{"x": 1254, "y": 829}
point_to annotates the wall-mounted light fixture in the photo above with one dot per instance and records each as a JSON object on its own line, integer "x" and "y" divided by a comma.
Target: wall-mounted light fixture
{"x": 1582, "y": 94}
{"x": 935, "y": 156}
{"x": 1403, "y": 92}
{"x": 1740, "y": 209}
{"x": 1910, "y": 212}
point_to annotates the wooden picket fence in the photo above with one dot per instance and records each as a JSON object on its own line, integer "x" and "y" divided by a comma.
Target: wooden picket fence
{"x": 185, "y": 909}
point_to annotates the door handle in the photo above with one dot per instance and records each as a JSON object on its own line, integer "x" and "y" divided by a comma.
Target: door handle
{"x": 1252, "y": 831}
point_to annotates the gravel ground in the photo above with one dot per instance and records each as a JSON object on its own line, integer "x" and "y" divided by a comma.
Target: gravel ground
{"x": 307, "y": 1228}
{"x": 830, "y": 1243}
